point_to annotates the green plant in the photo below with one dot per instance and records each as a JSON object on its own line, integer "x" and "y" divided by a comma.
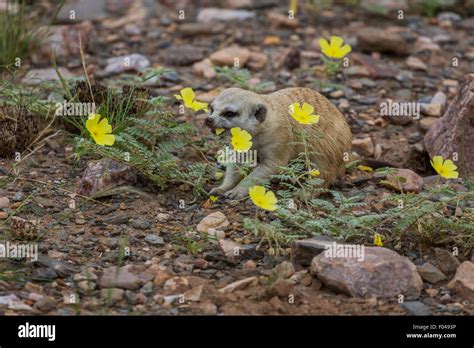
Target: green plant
{"x": 239, "y": 78}
{"x": 20, "y": 34}
{"x": 439, "y": 215}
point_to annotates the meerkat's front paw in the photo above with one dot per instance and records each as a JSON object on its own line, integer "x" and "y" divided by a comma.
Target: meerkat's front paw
{"x": 236, "y": 193}
{"x": 217, "y": 191}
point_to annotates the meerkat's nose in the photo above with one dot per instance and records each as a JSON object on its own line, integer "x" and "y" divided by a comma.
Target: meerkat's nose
{"x": 209, "y": 122}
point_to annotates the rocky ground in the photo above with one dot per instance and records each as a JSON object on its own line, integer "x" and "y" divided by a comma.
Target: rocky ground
{"x": 136, "y": 254}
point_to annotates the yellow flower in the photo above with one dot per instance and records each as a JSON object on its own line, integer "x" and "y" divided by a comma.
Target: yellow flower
{"x": 219, "y": 131}
{"x": 100, "y": 131}
{"x": 365, "y": 168}
{"x": 378, "y": 240}
{"x": 262, "y": 198}
{"x": 447, "y": 169}
{"x": 334, "y": 49}
{"x": 187, "y": 96}
{"x": 314, "y": 172}
{"x": 241, "y": 139}
{"x": 304, "y": 114}
{"x": 213, "y": 198}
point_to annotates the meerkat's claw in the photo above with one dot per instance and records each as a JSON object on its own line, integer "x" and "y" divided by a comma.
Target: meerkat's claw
{"x": 236, "y": 193}
{"x": 216, "y": 191}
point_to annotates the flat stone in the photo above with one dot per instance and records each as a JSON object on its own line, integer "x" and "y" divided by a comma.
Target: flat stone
{"x": 216, "y": 220}
{"x": 415, "y": 63}
{"x": 430, "y": 273}
{"x": 238, "y": 285}
{"x": 218, "y": 14}
{"x": 131, "y": 62}
{"x": 37, "y": 76}
{"x": 416, "y": 308}
{"x": 229, "y": 55}
{"x": 303, "y": 251}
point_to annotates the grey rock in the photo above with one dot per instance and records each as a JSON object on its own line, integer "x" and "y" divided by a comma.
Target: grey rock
{"x": 416, "y": 308}
{"x": 131, "y": 62}
{"x": 303, "y": 251}
{"x": 37, "y": 76}
{"x": 217, "y": 14}
{"x": 447, "y": 262}
{"x": 141, "y": 224}
{"x": 154, "y": 239}
{"x": 430, "y": 273}
{"x": 117, "y": 219}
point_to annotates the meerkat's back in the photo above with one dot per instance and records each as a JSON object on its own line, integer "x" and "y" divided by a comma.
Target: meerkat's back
{"x": 331, "y": 137}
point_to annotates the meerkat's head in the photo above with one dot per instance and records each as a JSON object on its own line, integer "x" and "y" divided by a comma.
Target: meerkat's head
{"x": 236, "y": 107}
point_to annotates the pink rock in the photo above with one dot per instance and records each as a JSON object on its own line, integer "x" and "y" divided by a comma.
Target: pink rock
{"x": 381, "y": 273}
{"x": 104, "y": 175}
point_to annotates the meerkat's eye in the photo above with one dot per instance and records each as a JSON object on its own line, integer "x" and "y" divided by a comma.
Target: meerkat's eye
{"x": 229, "y": 114}
{"x": 211, "y": 109}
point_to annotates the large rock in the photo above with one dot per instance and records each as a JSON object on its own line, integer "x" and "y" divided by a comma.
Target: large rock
{"x": 463, "y": 281}
{"x": 386, "y": 41}
{"x": 454, "y": 132}
{"x": 229, "y": 55}
{"x": 382, "y": 273}
{"x": 104, "y": 175}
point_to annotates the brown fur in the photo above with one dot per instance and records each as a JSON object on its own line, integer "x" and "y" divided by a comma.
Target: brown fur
{"x": 330, "y": 137}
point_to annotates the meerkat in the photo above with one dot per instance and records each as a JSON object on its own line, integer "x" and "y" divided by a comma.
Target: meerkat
{"x": 274, "y": 131}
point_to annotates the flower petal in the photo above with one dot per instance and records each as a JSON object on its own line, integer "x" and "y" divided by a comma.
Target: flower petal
{"x": 188, "y": 95}
{"x": 104, "y": 127}
{"x": 336, "y": 41}
{"x": 324, "y": 44}
{"x": 450, "y": 175}
{"x": 449, "y": 166}
{"x": 307, "y": 109}
{"x": 197, "y": 106}
{"x": 437, "y": 163}
{"x": 92, "y": 121}
{"x": 344, "y": 50}
{"x": 106, "y": 139}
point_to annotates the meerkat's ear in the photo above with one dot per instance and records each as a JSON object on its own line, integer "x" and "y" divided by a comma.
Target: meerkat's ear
{"x": 260, "y": 112}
